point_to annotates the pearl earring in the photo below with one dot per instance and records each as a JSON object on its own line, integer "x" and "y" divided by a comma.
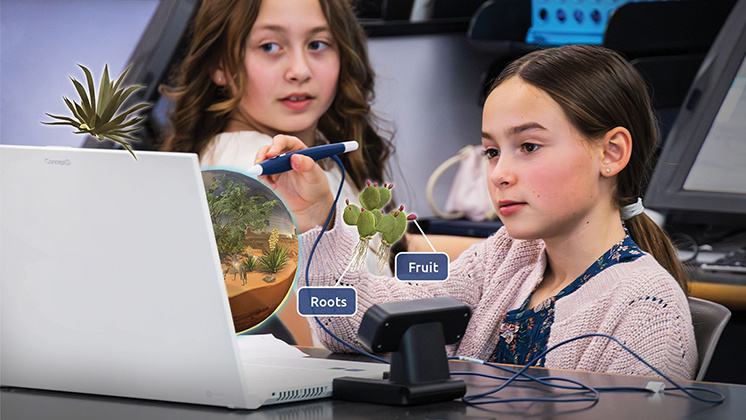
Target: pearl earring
{"x": 608, "y": 170}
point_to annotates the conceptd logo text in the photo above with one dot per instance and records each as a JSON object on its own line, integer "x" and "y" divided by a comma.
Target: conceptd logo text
{"x": 60, "y": 162}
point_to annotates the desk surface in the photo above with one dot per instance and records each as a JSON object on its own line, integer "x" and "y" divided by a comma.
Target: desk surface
{"x": 28, "y": 404}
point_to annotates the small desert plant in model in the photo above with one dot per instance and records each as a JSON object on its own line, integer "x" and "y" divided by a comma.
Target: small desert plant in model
{"x": 98, "y": 116}
{"x": 249, "y": 264}
{"x": 274, "y": 260}
{"x": 273, "y": 238}
{"x": 370, "y": 219}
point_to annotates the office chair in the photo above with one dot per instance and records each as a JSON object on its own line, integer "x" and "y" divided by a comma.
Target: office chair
{"x": 709, "y": 319}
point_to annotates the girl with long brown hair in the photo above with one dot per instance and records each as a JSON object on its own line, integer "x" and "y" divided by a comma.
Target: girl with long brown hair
{"x": 257, "y": 68}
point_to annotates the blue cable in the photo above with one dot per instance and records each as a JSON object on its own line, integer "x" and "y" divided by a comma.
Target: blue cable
{"x": 687, "y": 390}
{"x": 544, "y": 381}
{"x": 521, "y": 372}
{"x": 310, "y": 257}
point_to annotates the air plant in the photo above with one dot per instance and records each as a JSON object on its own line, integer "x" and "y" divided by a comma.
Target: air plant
{"x": 97, "y": 115}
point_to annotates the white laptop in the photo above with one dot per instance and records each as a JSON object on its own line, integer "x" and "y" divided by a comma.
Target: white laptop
{"x": 110, "y": 283}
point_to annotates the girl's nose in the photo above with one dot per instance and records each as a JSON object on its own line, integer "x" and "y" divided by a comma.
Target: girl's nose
{"x": 501, "y": 174}
{"x": 298, "y": 68}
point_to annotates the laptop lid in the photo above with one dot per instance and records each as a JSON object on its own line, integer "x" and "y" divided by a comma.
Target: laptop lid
{"x": 110, "y": 281}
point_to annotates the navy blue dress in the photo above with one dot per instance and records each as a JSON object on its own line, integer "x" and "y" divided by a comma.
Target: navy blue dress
{"x": 524, "y": 332}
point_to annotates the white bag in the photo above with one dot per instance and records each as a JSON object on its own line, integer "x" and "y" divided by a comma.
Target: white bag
{"x": 469, "y": 196}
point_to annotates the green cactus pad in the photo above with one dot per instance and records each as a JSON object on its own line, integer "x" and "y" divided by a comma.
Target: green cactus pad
{"x": 370, "y": 197}
{"x": 400, "y": 224}
{"x": 385, "y": 194}
{"x": 389, "y": 238}
{"x": 386, "y": 224}
{"x": 350, "y": 214}
{"x": 394, "y": 227}
{"x": 366, "y": 223}
{"x": 378, "y": 214}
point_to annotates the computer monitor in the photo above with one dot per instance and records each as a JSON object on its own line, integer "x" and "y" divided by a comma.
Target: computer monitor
{"x": 700, "y": 176}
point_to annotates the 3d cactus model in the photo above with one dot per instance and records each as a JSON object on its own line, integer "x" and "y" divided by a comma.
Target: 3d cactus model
{"x": 370, "y": 219}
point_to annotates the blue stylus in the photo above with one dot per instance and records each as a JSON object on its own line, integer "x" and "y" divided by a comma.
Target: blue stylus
{"x": 281, "y": 162}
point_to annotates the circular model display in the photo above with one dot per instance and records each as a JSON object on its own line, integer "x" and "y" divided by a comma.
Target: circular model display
{"x": 257, "y": 243}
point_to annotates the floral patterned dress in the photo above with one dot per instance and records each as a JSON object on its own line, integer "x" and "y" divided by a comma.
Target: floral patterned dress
{"x": 524, "y": 332}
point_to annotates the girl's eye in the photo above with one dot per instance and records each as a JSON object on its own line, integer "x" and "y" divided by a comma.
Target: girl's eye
{"x": 317, "y": 45}
{"x": 530, "y": 147}
{"x": 270, "y": 47}
{"x": 491, "y": 153}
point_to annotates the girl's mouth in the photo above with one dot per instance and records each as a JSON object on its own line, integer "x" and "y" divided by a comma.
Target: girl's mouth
{"x": 297, "y": 102}
{"x": 506, "y": 208}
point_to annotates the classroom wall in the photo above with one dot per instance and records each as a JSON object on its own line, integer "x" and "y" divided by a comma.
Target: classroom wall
{"x": 428, "y": 86}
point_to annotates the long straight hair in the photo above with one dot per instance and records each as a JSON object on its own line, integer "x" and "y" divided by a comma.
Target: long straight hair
{"x": 218, "y": 38}
{"x": 599, "y": 90}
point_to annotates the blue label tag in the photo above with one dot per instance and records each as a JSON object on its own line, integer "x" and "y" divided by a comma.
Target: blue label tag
{"x": 421, "y": 266}
{"x": 327, "y": 301}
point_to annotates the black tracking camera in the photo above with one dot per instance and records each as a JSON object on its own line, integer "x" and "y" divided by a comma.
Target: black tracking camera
{"x": 415, "y": 333}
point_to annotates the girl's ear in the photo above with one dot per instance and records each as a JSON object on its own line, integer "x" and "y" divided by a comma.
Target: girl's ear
{"x": 617, "y": 149}
{"x": 218, "y": 76}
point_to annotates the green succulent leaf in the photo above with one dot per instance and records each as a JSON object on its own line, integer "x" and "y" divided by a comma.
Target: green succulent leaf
{"x": 91, "y": 86}
{"x": 105, "y": 86}
{"x": 76, "y": 110}
{"x": 350, "y": 214}
{"x": 366, "y": 224}
{"x": 85, "y": 103}
{"x": 119, "y": 80}
{"x": 64, "y": 120}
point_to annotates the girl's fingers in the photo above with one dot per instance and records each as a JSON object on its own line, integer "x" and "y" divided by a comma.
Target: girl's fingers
{"x": 281, "y": 143}
{"x": 261, "y": 154}
{"x": 268, "y": 181}
{"x": 305, "y": 168}
{"x": 302, "y": 163}
{"x": 310, "y": 173}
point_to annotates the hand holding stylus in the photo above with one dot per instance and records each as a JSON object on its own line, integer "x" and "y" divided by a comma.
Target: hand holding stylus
{"x": 281, "y": 163}
{"x": 305, "y": 188}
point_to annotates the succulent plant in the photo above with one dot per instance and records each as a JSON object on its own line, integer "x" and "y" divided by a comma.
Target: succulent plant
{"x": 370, "y": 219}
{"x": 97, "y": 115}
